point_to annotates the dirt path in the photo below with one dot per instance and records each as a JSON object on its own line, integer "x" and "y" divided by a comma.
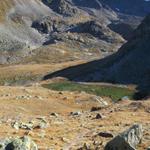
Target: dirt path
{"x": 76, "y": 140}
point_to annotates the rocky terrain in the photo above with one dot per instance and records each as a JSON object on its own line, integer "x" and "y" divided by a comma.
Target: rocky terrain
{"x": 28, "y": 27}
{"x": 67, "y": 120}
{"x": 34, "y": 117}
{"x": 125, "y": 66}
{"x": 74, "y": 75}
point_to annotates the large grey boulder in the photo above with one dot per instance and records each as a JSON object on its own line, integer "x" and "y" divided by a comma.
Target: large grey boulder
{"x": 127, "y": 140}
{"x": 24, "y": 143}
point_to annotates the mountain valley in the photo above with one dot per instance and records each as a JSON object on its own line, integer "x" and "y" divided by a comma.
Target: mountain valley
{"x": 74, "y": 75}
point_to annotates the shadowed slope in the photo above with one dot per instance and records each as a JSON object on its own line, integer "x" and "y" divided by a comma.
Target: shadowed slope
{"x": 130, "y": 65}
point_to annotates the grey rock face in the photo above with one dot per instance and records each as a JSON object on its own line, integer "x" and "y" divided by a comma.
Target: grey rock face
{"x": 48, "y": 25}
{"x": 24, "y": 143}
{"x": 127, "y": 140}
{"x": 62, "y": 7}
{"x": 45, "y": 25}
{"x": 95, "y": 29}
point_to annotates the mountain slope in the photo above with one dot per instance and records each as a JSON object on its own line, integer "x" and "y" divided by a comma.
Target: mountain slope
{"x": 133, "y": 65}
{"x": 29, "y": 25}
{"x": 130, "y": 65}
{"x": 134, "y": 7}
{"x": 15, "y": 29}
{"x": 139, "y": 7}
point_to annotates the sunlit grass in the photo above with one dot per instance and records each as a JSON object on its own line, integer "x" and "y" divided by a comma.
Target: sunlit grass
{"x": 116, "y": 93}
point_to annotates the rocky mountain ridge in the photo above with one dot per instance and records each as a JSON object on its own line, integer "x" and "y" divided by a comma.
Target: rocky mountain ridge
{"x": 130, "y": 65}
{"x": 28, "y": 25}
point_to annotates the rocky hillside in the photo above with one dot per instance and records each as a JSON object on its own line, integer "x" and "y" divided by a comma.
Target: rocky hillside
{"x": 139, "y": 7}
{"x": 16, "y": 21}
{"x": 61, "y": 24}
{"x": 134, "y": 7}
{"x": 130, "y": 65}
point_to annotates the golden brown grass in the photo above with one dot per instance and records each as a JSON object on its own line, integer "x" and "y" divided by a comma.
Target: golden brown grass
{"x": 76, "y": 130}
{"x": 5, "y": 5}
{"x": 30, "y": 72}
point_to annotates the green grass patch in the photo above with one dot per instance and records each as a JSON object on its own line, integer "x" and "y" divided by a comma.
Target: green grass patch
{"x": 115, "y": 93}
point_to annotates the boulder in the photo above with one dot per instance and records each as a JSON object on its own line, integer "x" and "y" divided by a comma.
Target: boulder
{"x": 127, "y": 140}
{"x": 22, "y": 125}
{"x": 96, "y": 29}
{"x": 54, "y": 114}
{"x": 95, "y": 109}
{"x": 78, "y": 113}
{"x": 24, "y": 143}
{"x": 45, "y": 25}
{"x": 125, "y": 98}
{"x": 99, "y": 116}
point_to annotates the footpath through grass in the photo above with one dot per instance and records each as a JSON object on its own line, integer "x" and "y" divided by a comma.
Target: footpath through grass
{"x": 116, "y": 93}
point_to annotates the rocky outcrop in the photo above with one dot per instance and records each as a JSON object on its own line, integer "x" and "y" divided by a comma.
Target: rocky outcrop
{"x": 24, "y": 143}
{"x": 97, "y": 30}
{"x": 48, "y": 25}
{"x": 127, "y": 140}
{"x": 62, "y": 7}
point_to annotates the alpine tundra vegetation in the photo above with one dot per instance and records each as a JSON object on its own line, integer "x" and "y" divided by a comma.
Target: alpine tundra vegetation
{"x": 74, "y": 74}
